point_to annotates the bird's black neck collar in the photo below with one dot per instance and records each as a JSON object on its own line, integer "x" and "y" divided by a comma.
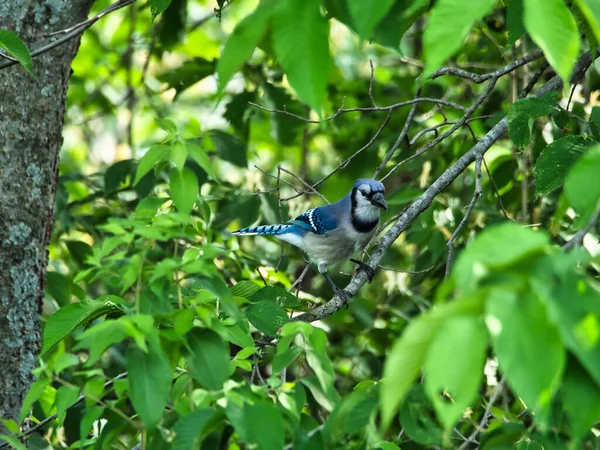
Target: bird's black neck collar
{"x": 360, "y": 225}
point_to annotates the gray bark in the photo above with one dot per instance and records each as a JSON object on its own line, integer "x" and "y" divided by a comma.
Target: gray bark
{"x": 31, "y": 118}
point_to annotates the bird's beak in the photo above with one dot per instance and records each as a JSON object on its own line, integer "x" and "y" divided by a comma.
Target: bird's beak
{"x": 379, "y": 201}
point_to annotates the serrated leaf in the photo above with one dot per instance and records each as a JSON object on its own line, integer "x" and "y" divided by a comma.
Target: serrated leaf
{"x": 202, "y": 159}
{"x": 454, "y": 367}
{"x": 556, "y": 160}
{"x": 190, "y": 427}
{"x": 149, "y": 377}
{"x": 366, "y": 16}
{"x": 229, "y": 147}
{"x": 15, "y": 47}
{"x": 245, "y": 289}
{"x": 552, "y": 27}
{"x": 409, "y": 352}
{"x": 449, "y": 24}
{"x": 241, "y": 43}
{"x": 522, "y": 115}
{"x": 155, "y": 154}
{"x": 267, "y": 316}
{"x": 400, "y": 18}
{"x": 158, "y": 7}
{"x": 300, "y": 37}
{"x": 591, "y": 11}
{"x": 519, "y": 328}
{"x": 188, "y": 74}
{"x": 207, "y": 357}
{"x": 582, "y": 187}
{"x": 184, "y": 189}
{"x": 514, "y": 21}
{"x": 67, "y": 318}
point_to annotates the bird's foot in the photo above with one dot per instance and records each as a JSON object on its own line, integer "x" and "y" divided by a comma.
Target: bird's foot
{"x": 365, "y": 268}
{"x": 344, "y": 296}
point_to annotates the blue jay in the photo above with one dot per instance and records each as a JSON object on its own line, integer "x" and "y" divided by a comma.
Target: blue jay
{"x": 333, "y": 233}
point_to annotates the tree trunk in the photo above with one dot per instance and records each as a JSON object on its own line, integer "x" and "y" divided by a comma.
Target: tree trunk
{"x": 31, "y": 118}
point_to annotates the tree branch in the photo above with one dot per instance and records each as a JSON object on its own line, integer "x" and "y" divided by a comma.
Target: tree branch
{"x": 578, "y": 238}
{"x": 425, "y": 200}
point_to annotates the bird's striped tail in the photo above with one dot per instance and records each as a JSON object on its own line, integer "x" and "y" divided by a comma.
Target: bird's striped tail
{"x": 265, "y": 230}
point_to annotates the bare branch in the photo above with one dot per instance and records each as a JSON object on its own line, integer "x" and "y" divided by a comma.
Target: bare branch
{"x": 371, "y": 84}
{"x": 578, "y": 238}
{"x": 341, "y": 110}
{"x": 486, "y": 415}
{"x": 476, "y": 195}
{"x": 401, "y": 137}
{"x": 477, "y": 78}
{"x": 74, "y": 31}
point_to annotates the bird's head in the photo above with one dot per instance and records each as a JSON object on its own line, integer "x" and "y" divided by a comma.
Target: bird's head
{"x": 369, "y": 194}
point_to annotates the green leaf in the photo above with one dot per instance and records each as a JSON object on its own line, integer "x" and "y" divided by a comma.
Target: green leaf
{"x": 300, "y": 37}
{"x": 202, "y": 159}
{"x": 409, "y": 353}
{"x": 188, "y": 74}
{"x": 582, "y": 186}
{"x": 418, "y": 419}
{"x": 189, "y": 428}
{"x": 149, "y": 377}
{"x": 351, "y": 415}
{"x": 454, "y": 366}
{"x": 245, "y": 288}
{"x": 178, "y": 155}
{"x": 399, "y": 19}
{"x": 522, "y": 115}
{"x": 92, "y": 413}
{"x": 67, "y": 318}
{"x": 184, "y": 189}
{"x": 278, "y": 295}
{"x": 101, "y": 336}
{"x": 208, "y": 358}
{"x": 496, "y": 247}
{"x": 241, "y": 43}
{"x": 59, "y": 287}
{"x": 34, "y": 393}
{"x": 116, "y": 175}
{"x": 260, "y": 424}
{"x": 366, "y": 16}
{"x": 528, "y": 347}
{"x": 514, "y": 21}
{"x": 15, "y": 47}
{"x": 65, "y": 397}
{"x": 556, "y": 160}
{"x": 581, "y": 399}
{"x": 158, "y": 7}
{"x": 449, "y": 24}
{"x": 284, "y": 128}
{"x": 285, "y": 358}
{"x": 229, "y": 148}
{"x": 155, "y": 154}
{"x": 552, "y": 27}
{"x": 13, "y": 441}
{"x": 591, "y": 11}
{"x": 268, "y": 317}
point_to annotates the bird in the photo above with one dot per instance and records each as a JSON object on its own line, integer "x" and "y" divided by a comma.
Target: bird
{"x": 331, "y": 234}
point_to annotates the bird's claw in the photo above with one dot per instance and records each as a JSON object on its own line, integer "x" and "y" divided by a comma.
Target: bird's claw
{"x": 344, "y": 296}
{"x": 365, "y": 268}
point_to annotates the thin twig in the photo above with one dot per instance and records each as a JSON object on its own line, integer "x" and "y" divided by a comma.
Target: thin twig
{"x": 311, "y": 189}
{"x": 411, "y": 272}
{"x": 298, "y": 281}
{"x": 342, "y": 110}
{"x": 75, "y": 31}
{"x": 477, "y": 78}
{"x": 486, "y": 415}
{"x": 577, "y": 239}
{"x": 476, "y": 195}
{"x": 497, "y": 192}
{"x": 371, "y": 84}
{"x": 459, "y": 124}
{"x": 48, "y": 419}
{"x": 401, "y": 136}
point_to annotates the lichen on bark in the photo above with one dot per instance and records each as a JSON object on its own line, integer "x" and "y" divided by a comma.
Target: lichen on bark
{"x": 31, "y": 118}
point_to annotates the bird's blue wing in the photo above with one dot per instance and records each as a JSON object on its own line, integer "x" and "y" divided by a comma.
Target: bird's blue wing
{"x": 319, "y": 220}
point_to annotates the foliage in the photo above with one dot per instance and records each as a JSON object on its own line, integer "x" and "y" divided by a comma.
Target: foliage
{"x": 163, "y": 329}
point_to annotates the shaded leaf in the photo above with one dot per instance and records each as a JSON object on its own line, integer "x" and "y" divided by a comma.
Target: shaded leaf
{"x": 208, "y": 358}
{"x": 582, "y": 188}
{"x": 366, "y": 16}
{"x": 268, "y": 317}
{"x": 556, "y": 159}
{"x": 300, "y": 37}
{"x": 184, "y": 189}
{"x": 188, "y": 74}
{"x": 190, "y": 427}
{"x": 514, "y": 21}
{"x": 149, "y": 377}
{"x": 229, "y": 148}
{"x": 15, "y": 47}
{"x": 552, "y": 27}
{"x": 449, "y": 24}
